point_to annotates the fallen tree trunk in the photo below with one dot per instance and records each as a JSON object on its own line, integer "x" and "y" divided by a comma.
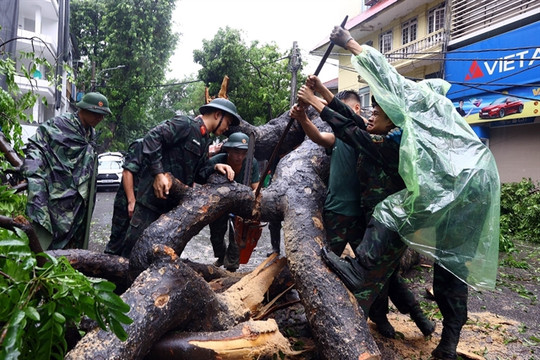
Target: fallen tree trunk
{"x": 335, "y": 318}
{"x": 296, "y": 196}
{"x": 169, "y": 295}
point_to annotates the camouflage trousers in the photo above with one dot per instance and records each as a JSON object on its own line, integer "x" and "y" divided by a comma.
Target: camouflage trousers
{"x": 120, "y": 223}
{"x": 379, "y": 254}
{"x": 342, "y": 229}
{"x": 451, "y": 295}
{"x": 275, "y": 235}
{"x": 229, "y": 254}
{"x": 142, "y": 218}
{"x": 398, "y": 291}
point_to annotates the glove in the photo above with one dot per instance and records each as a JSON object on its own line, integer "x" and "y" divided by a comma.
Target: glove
{"x": 340, "y": 36}
{"x": 394, "y": 135}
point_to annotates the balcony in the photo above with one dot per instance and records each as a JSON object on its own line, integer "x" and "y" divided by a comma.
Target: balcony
{"x": 419, "y": 49}
{"x": 40, "y": 48}
{"x": 40, "y": 86}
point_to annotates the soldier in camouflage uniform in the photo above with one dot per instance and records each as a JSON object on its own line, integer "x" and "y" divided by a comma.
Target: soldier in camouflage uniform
{"x": 235, "y": 155}
{"x": 60, "y": 167}
{"x": 124, "y": 201}
{"x": 350, "y": 202}
{"x": 178, "y": 146}
{"x": 450, "y": 210}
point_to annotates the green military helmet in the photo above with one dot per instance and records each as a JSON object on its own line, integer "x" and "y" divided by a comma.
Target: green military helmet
{"x": 237, "y": 140}
{"x": 225, "y": 105}
{"x": 95, "y": 102}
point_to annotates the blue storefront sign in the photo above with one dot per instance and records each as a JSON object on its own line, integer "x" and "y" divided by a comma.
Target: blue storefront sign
{"x": 495, "y": 63}
{"x": 496, "y": 78}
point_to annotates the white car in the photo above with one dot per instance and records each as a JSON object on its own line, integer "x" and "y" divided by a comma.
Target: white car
{"x": 109, "y": 170}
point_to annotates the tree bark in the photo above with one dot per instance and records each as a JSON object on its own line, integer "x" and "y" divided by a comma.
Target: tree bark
{"x": 164, "y": 284}
{"x": 336, "y": 320}
{"x": 169, "y": 295}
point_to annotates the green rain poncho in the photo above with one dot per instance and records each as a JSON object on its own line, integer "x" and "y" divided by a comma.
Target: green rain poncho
{"x": 449, "y": 210}
{"x": 59, "y": 167}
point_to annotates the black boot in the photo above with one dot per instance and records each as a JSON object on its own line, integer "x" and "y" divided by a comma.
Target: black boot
{"x": 348, "y": 269}
{"x": 446, "y": 350}
{"x": 219, "y": 262}
{"x": 384, "y": 327}
{"x": 426, "y": 326}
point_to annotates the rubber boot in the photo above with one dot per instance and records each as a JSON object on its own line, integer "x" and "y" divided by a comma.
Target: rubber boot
{"x": 446, "y": 350}
{"x": 347, "y": 269}
{"x": 384, "y": 327}
{"x": 426, "y": 326}
{"x": 219, "y": 262}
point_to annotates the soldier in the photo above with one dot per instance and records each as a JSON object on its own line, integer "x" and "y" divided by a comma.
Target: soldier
{"x": 351, "y": 197}
{"x": 450, "y": 207}
{"x": 178, "y": 146}
{"x": 60, "y": 167}
{"x": 235, "y": 155}
{"x": 124, "y": 201}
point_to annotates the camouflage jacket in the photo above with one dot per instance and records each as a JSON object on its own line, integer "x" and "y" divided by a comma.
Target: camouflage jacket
{"x": 378, "y": 159}
{"x": 134, "y": 161}
{"x": 238, "y": 177}
{"x": 178, "y": 146}
{"x": 59, "y": 166}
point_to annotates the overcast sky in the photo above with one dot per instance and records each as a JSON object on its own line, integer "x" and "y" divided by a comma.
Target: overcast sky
{"x": 308, "y": 22}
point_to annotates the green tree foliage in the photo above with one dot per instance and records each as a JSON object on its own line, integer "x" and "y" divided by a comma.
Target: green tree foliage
{"x": 40, "y": 303}
{"x": 134, "y": 33}
{"x": 520, "y": 213}
{"x": 185, "y": 96}
{"x": 259, "y": 82}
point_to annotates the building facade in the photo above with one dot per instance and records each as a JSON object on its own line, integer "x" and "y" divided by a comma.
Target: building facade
{"x": 42, "y": 28}
{"x": 493, "y": 64}
{"x": 487, "y": 50}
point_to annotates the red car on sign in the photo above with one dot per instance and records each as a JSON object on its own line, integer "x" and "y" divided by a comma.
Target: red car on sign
{"x": 501, "y": 107}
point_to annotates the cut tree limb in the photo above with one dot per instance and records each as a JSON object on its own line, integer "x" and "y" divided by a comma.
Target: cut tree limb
{"x": 249, "y": 340}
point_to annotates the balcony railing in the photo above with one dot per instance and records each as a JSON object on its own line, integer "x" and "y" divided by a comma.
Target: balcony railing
{"x": 36, "y": 44}
{"x": 414, "y": 49}
{"x": 470, "y": 17}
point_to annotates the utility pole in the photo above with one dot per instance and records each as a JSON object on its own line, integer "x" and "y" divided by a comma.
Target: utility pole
{"x": 93, "y": 80}
{"x": 294, "y": 65}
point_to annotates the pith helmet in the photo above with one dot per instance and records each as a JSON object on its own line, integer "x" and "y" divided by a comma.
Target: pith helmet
{"x": 222, "y": 104}
{"x": 95, "y": 102}
{"x": 237, "y": 140}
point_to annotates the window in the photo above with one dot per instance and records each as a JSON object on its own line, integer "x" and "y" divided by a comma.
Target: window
{"x": 408, "y": 31}
{"x": 29, "y": 25}
{"x": 385, "y": 42}
{"x": 364, "y": 98}
{"x": 436, "y": 18}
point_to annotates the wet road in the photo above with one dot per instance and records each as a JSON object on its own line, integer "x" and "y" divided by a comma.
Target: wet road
{"x": 198, "y": 249}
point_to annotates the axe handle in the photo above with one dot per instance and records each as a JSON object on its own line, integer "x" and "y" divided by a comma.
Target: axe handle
{"x": 288, "y": 127}
{"x": 328, "y": 51}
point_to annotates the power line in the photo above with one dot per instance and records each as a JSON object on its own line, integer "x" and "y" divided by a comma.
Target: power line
{"x": 317, "y": 53}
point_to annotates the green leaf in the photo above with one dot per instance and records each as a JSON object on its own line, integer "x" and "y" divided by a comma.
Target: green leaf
{"x": 113, "y": 301}
{"x": 121, "y": 318}
{"x": 32, "y": 313}
{"x": 59, "y": 318}
{"x": 105, "y": 286}
{"x": 118, "y": 330}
